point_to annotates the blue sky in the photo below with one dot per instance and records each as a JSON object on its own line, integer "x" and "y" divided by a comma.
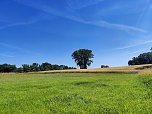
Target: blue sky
{"x": 50, "y": 30}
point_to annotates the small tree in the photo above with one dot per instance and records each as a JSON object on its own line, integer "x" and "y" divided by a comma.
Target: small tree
{"x": 151, "y": 49}
{"x": 83, "y": 58}
{"x": 104, "y": 66}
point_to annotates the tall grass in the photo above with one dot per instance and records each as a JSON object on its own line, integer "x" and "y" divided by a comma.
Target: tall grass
{"x": 75, "y": 93}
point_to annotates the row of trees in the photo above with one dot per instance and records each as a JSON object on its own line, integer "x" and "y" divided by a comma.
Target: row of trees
{"x": 145, "y": 58}
{"x": 7, "y": 68}
{"x": 82, "y": 57}
{"x": 33, "y": 67}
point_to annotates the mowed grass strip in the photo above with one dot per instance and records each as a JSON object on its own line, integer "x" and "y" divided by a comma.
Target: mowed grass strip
{"x": 75, "y": 93}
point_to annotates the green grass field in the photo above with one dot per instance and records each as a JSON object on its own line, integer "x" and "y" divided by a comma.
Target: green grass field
{"x": 75, "y": 93}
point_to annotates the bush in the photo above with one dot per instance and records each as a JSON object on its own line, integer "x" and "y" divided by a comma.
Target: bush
{"x": 104, "y": 66}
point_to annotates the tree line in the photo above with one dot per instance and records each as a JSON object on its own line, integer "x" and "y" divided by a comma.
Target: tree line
{"x": 35, "y": 67}
{"x": 82, "y": 57}
{"x": 145, "y": 58}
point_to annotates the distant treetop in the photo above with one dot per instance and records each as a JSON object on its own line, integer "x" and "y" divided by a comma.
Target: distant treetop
{"x": 145, "y": 58}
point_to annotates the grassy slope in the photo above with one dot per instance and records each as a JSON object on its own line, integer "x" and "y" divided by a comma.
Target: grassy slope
{"x": 72, "y": 93}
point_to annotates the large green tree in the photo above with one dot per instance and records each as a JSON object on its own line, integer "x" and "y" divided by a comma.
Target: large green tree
{"x": 83, "y": 58}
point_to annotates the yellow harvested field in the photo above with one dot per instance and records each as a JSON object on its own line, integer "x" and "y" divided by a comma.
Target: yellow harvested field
{"x": 123, "y": 69}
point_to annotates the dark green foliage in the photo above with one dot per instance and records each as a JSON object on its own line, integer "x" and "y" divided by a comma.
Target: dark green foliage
{"x": 145, "y": 58}
{"x": 104, "y": 66}
{"x": 7, "y": 68}
{"x": 26, "y": 68}
{"x": 19, "y": 70}
{"x": 47, "y": 66}
{"x": 35, "y": 67}
{"x": 83, "y": 58}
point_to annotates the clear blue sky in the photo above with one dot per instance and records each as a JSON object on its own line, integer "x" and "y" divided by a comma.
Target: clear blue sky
{"x": 50, "y": 30}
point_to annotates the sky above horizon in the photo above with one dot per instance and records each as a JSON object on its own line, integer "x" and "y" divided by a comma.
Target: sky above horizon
{"x": 50, "y": 30}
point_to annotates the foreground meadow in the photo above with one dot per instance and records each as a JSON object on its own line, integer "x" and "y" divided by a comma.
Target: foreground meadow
{"x": 75, "y": 93}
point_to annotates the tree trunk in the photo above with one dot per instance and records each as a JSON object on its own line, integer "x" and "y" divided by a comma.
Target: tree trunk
{"x": 83, "y": 66}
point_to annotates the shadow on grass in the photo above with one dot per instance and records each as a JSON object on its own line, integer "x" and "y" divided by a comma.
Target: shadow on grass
{"x": 92, "y": 84}
{"x": 69, "y": 99}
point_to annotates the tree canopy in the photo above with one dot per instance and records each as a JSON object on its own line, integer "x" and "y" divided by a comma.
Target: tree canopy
{"x": 145, "y": 58}
{"x": 7, "y": 68}
{"x": 32, "y": 68}
{"x": 83, "y": 58}
{"x": 104, "y": 66}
